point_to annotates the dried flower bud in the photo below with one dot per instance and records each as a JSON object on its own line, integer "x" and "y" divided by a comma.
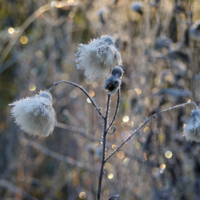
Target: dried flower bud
{"x": 35, "y": 115}
{"x": 112, "y": 84}
{"x": 117, "y": 72}
{"x": 192, "y": 127}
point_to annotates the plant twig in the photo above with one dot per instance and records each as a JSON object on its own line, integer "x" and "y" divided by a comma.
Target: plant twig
{"x": 116, "y": 111}
{"x": 104, "y": 148}
{"x": 79, "y": 131}
{"x": 83, "y": 90}
{"x": 146, "y": 121}
{"x": 61, "y": 157}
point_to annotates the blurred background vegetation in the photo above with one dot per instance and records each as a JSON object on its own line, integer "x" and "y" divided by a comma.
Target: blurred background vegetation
{"x": 38, "y": 40}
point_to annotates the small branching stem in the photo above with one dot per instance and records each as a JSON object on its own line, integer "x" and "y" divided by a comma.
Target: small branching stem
{"x": 145, "y": 122}
{"x": 104, "y": 149}
{"x": 84, "y": 91}
{"x": 116, "y": 111}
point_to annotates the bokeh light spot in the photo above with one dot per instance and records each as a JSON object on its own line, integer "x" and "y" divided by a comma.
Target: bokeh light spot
{"x": 71, "y": 14}
{"x": 88, "y": 100}
{"x": 126, "y": 161}
{"x": 168, "y": 154}
{"x": 125, "y": 118}
{"x": 23, "y": 142}
{"x": 82, "y": 195}
{"x": 138, "y": 91}
{"x": 23, "y": 39}
{"x": 11, "y": 30}
{"x": 32, "y": 87}
{"x": 137, "y": 145}
{"x": 120, "y": 154}
{"x": 92, "y": 93}
{"x": 110, "y": 176}
{"x": 94, "y": 84}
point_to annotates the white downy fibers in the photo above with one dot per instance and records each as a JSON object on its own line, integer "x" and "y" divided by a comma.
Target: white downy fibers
{"x": 98, "y": 57}
{"x": 35, "y": 115}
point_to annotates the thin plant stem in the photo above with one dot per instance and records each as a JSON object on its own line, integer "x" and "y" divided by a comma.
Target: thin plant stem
{"x": 104, "y": 148}
{"x": 116, "y": 111}
{"x": 146, "y": 121}
{"x": 79, "y": 131}
{"x": 83, "y": 90}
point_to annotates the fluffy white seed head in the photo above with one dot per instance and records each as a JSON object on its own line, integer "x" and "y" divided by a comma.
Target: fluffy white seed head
{"x": 194, "y": 31}
{"x": 98, "y": 57}
{"x": 192, "y": 127}
{"x": 35, "y": 115}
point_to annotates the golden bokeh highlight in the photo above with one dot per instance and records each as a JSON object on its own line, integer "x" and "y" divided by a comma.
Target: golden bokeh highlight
{"x": 110, "y": 176}
{"x": 138, "y": 91}
{"x": 125, "y": 118}
{"x": 92, "y": 93}
{"x": 108, "y": 166}
{"x": 71, "y": 14}
{"x": 168, "y": 154}
{"x": 11, "y": 30}
{"x": 163, "y": 166}
{"x": 32, "y": 87}
{"x": 23, "y": 40}
{"x": 146, "y": 130}
{"x": 120, "y": 154}
{"x": 137, "y": 145}
{"x": 82, "y": 195}
{"x": 114, "y": 146}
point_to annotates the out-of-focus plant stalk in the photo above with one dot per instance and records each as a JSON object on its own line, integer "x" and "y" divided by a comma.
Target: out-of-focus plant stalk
{"x": 104, "y": 148}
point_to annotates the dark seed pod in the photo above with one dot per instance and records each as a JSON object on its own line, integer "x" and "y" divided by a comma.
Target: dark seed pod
{"x": 117, "y": 72}
{"x": 112, "y": 84}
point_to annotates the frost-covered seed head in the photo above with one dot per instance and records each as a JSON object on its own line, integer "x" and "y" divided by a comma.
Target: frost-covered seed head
{"x": 194, "y": 31}
{"x": 112, "y": 84}
{"x": 192, "y": 127}
{"x": 35, "y": 115}
{"x": 98, "y": 57}
{"x": 117, "y": 72}
{"x": 45, "y": 94}
{"x": 108, "y": 39}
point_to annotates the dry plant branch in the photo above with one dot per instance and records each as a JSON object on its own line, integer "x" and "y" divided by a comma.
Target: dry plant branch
{"x": 116, "y": 110}
{"x": 83, "y": 90}
{"x": 61, "y": 157}
{"x": 104, "y": 148}
{"x": 146, "y": 121}
{"x": 79, "y": 131}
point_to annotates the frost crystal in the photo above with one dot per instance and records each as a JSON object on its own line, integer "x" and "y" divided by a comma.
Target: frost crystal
{"x": 192, "y": 128}
{"x": 98, "y": 57}
{"x": 35, "y": 115}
